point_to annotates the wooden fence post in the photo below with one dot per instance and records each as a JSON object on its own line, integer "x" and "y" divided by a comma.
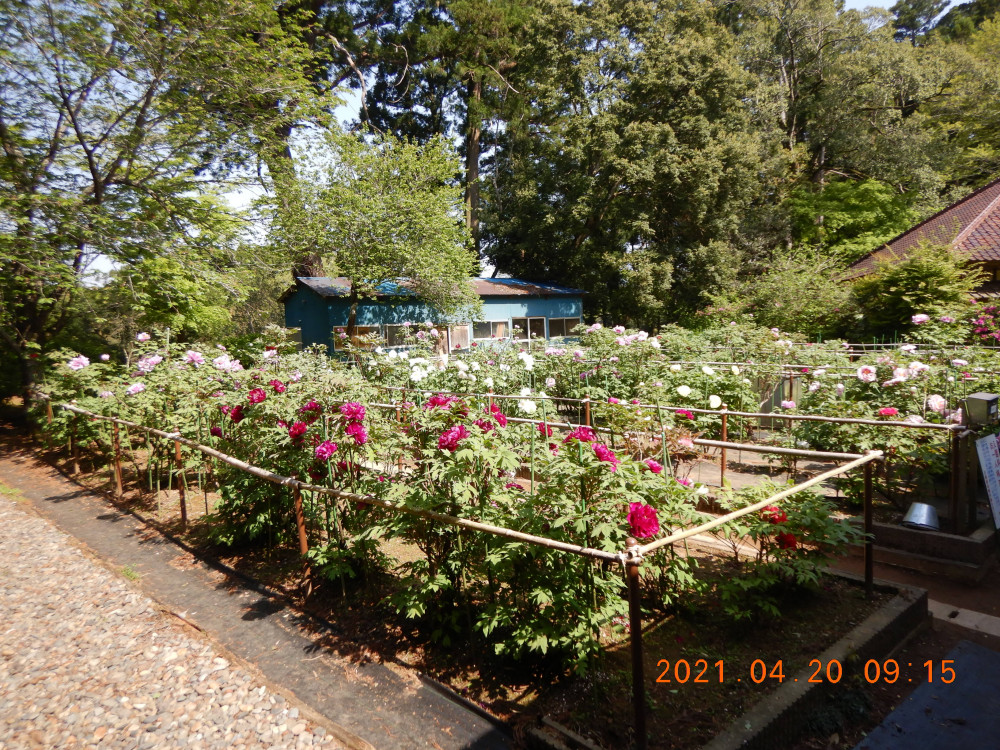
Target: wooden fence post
{"x": 724, "y": 437}
{"x": 117, "y": 449}
{"x": 179, "y": 465}
{"x": 300, "y": 523}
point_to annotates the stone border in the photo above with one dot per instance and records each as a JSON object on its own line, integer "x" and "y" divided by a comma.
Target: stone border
{"x": 783, "y": 713}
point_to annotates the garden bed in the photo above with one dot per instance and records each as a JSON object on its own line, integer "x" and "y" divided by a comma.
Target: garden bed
{"x": 597, "y": 705}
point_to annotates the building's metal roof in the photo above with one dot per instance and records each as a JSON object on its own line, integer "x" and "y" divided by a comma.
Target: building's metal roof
{"x": 341, "y": 287}
{"x": 970, "y": 226}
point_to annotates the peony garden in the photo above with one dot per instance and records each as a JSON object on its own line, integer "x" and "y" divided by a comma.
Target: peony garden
{"x": 576, "y": 450}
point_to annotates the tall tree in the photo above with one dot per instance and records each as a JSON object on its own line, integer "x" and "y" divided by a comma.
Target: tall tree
{"x": 914, "y": 18}
{"x": 101, "y": 154}
{"x": 383, "y": 209}
{"x": 627, "y": 175}
{"x": 452, "y": 68}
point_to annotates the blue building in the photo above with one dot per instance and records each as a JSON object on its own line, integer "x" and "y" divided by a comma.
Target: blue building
{"x": 512, "y": 309}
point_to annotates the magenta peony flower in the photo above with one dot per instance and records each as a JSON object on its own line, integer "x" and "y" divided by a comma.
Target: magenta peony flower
{"x": 604, "y": 453}
{"x": 311, "y": 405}
{"x": 257, "y": 396}
{"x": 545, "y": 429}
{"x": 236, "y": 414}
{"x": 278, "y": 386}
{"x": 888, "y": 411}
{"x": 642, "y": 521}
{"x": 297, "y": 430}
{"x": 684, "y": 414}
{"x": 216, "y": 431}
{"x": 582, "y": 433}
{"x": 357, "y": 431}
{"x": 654, "y": 466}
{"x": 613, "y": 400}
{"x": 450, "y": 438}
{"x": 353, "y": 411}
{"x": 325, "y": 449}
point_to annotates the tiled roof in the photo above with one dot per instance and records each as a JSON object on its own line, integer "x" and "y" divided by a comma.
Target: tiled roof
{"x": 971, "y": 226}
{"x": 341, "y": 287}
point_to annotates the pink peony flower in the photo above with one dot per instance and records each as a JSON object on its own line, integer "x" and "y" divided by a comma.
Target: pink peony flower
{"x": 142, "y": 337}
{"x": 654, "y": 466}
{"x": 936, "y": 402}
{"x": 105, "y": 394}
{"x": 642, "y": 521}
{"x": 194, "y": 358}
{"x": 787, "y": 404}
{"x": 105, "y": 357}
{"x": 867, "y": 374}
{"x": 919, "y": 318}
{"x": 135, "y": 388}
{"x": 686, "y": 442}
{"x": 888, "y": 411}
{"x": 257, "y": 396}
{"x": 550, "y": 382}
{"x": 325, "y": 450}
{"x": 946, "y": 319}
{"x": 357, "y": 431}
{"x": 451, "y": 437}
{"x": 604, "y": 453}
{"x": 684, "y": 481}
{"x": 78, "y": 362}
{"x": 146, "y": 364}
{"x": 353, "y": 411}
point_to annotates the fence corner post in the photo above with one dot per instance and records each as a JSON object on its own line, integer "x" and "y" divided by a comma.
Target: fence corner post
{"x": 181, "y": 495}
{"x": 869, "y": 534}
{"x": 632, "y": 563}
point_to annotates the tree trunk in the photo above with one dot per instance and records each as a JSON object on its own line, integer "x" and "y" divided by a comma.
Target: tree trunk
{"x": 473, "y": 134}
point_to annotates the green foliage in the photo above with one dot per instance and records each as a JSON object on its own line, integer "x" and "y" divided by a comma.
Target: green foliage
{"x": 846, "y": 219}
{"x": 929, "y": 280}
{"x": 381, "y": 209}
{"x": 797, "y": 292}
{"x": 792, "y": 541}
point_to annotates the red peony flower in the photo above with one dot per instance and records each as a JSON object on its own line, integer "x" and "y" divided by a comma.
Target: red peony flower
{"x": 787, "y": 540}
{"x": 278, "y": 386}
{"x": 773, "y": 514}
{"x": 642, "y": 521}
{"x": 256, "y": 396}
{"x": 236, "y": 414}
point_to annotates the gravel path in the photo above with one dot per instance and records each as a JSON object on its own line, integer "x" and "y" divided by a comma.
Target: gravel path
{"x": 85, "y": 660}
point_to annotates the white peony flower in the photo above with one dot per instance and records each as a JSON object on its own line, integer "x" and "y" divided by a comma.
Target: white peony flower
{"x": 528, "y": 407}
{"x": 675, "y": 368}
{"x": 707, "y": 370}
{"x": 714, "y": 402}
{"x": 684, "y": 390}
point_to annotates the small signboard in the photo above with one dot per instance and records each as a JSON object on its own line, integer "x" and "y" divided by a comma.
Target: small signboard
{"x": 989, "y": 459}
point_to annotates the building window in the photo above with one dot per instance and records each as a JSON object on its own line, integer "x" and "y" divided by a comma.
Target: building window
{"x": 562, "y": 326}
{"x": 529, "y": 328}
{"x": 359, "y": 340}
{"x": 395, "y": 335}
{"x": 458, "y": 336}
{"x": 490, "y": 329}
